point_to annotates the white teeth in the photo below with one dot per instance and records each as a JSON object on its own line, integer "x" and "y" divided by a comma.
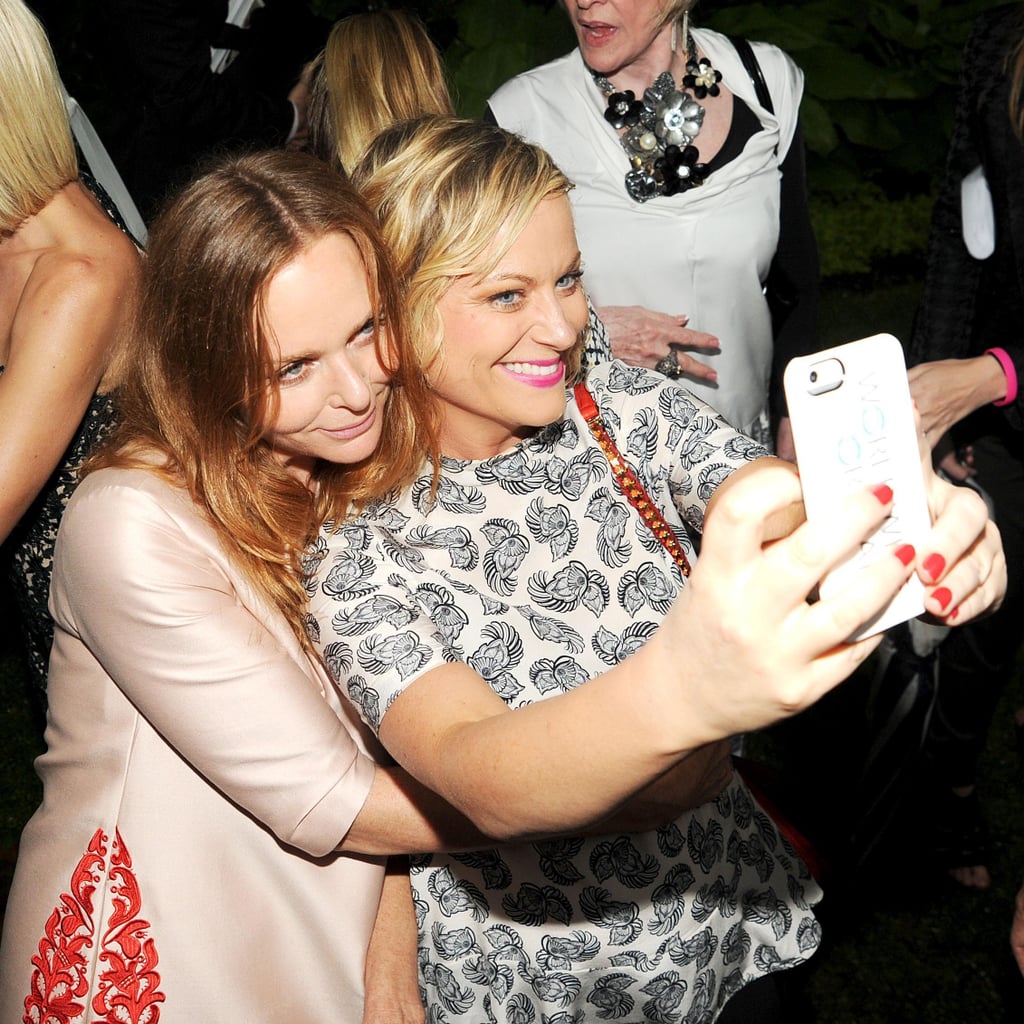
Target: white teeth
{"x": 530, "y": 369}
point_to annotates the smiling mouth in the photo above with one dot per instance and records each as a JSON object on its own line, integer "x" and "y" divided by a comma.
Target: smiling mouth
{"x": 537, "y": 374}
{"x": 354, "y": 430}
{"x": 533, "y": 369}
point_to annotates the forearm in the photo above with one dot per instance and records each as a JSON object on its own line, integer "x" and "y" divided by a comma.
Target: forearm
{"x": 695, "y": 780}
{"x": 402, "y": 816}
{"x": 391, "y": 976}
{"x": 557, "y": 766}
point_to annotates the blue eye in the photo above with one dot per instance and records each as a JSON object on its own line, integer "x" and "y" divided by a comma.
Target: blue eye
{"x": 571, "y": 280}
{"x": 293, "y": 371}
{"x": 507, "y": 299}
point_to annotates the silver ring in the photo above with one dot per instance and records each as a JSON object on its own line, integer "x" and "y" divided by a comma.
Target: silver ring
{"x": 670, "y": 365}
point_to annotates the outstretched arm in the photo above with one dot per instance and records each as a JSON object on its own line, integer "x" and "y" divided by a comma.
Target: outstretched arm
{"x": 740, "y": 648}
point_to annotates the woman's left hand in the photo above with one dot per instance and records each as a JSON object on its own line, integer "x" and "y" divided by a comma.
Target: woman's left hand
{"x": 947, "y": 390}
{"x": 961, "y": 562}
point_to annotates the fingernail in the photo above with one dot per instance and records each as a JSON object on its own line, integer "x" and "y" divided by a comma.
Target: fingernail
{"x": 905, "y": 553}
{"x": 954, "y": 613}
{"x": 883, "y": 492}
{"x": 934, "y": 564}
{"x": 943, "y": 595}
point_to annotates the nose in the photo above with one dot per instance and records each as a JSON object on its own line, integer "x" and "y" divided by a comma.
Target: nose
{"x": 554, "y": 326}
{"x": 349, "y": 387}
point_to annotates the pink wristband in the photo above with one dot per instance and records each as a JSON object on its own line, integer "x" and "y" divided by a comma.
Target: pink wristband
{"x": 1011, "y": 375}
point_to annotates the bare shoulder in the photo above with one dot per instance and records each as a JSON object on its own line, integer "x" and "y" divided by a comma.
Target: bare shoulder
{"x": 98, "y": 275}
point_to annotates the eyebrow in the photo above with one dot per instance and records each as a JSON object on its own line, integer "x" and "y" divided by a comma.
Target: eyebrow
{"x": 505, "y": 277}
{"x": 499, "y": 275}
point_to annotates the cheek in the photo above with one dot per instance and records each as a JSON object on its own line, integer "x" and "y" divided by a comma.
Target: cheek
{"x": 295, "y": 411}
{"x": 370, "y": 366}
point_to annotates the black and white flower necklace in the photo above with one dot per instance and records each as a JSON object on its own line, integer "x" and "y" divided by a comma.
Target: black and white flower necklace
{"x": 661, "y": 128}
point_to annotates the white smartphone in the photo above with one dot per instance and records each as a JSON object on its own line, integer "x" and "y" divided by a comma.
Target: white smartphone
{"x": 853, "y": 425}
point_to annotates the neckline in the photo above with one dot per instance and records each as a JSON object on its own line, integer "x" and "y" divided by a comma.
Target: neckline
{"x": 744, "y": 125}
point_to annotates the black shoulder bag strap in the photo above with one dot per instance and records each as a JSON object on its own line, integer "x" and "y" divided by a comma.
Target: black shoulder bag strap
{"x": 753, "y": 68}
{"x": 779, "y": 291}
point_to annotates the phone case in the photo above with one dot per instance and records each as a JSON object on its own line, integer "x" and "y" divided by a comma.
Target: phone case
{"x": 853, "y": 425}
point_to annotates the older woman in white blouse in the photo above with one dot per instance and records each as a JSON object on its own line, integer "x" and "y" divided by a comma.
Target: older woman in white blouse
{"x": 689, "y": 196}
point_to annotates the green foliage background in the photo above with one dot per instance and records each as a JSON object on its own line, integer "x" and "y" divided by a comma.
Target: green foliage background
{"x": 881, "y": 80}
{"x": 880, "y": 90}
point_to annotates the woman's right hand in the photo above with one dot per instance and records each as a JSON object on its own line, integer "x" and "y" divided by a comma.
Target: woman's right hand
{"x": 642, "y": 337}
{"x": 742, "y": 639}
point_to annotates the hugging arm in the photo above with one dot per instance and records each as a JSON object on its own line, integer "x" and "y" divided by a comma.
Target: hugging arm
{"x": 391, "y": 976}
{"x": 140, "y": 579}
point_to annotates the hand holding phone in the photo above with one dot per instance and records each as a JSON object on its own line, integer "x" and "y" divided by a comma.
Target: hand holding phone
{"x": 853, "y": 426}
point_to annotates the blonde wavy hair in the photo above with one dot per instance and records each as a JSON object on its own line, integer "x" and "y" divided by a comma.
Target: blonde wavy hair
{"x": 201, "y": 394}
{"x": 674, "y": 9}
{"x": 444, "y": 190}
{"x": 376, "y": 70}
{"x": 37, "y": 153}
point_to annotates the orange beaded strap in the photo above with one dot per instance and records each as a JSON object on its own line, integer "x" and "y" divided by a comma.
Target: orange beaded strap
{"x": 635, "y": 492}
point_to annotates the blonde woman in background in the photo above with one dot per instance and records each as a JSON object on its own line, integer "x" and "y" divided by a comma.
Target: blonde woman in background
{"x": 377, "y": 69}
{"x": 67, "y": 274}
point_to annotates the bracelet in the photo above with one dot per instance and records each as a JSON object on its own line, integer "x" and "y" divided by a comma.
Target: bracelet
{"x": 1010, "y": 370}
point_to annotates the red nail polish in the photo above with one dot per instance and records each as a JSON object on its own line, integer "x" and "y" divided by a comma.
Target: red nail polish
{"x": 883, "y": 492}
{"x": 905, "y": 553}
{"x": 943, "y": 595}
{"x": 954, "y": 613}
{"x": 933, "y": 565}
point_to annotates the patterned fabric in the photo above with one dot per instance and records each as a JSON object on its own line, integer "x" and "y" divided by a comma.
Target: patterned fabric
{"x": 533, "y": 569}
{"x": 30, "y": 546}
{"x": 598, "y": 348}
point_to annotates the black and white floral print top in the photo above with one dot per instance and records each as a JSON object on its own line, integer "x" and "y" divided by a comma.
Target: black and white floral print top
{"x": 533, "y": 569}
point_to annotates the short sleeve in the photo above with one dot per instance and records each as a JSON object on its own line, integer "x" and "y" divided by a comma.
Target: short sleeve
{"x": 377, "y": 630}
{"x": 140, "y": 579}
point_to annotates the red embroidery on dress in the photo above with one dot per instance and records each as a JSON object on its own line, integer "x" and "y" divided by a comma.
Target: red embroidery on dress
{"x": 60, "y": 977}
{"x": 128, "y": 987}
